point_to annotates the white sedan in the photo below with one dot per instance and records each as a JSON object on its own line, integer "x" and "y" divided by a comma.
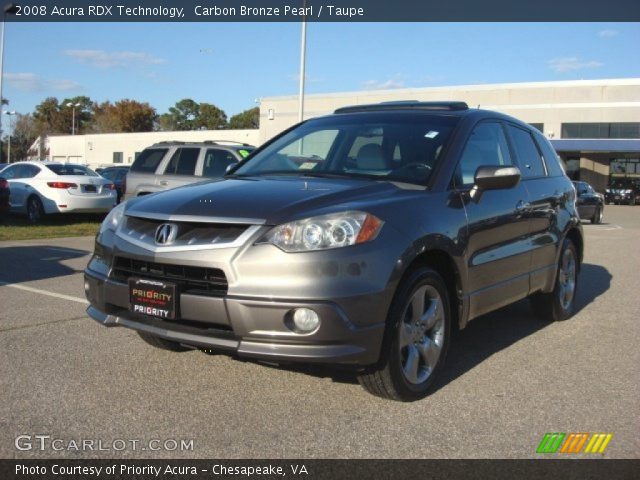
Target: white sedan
{"x": 39, "y": 188}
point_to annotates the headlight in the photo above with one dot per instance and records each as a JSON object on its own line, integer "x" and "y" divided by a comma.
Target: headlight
{"x": 324, "y": 232}
{"x": 113, "y": 219}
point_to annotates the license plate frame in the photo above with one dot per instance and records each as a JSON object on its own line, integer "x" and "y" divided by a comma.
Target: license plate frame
{"x": 153, "y": 298}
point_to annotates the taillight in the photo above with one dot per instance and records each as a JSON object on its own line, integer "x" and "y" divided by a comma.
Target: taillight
{"x": 62, "y": 185}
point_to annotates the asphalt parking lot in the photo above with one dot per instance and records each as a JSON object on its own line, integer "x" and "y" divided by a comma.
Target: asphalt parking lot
{"x": 510, "y": 378}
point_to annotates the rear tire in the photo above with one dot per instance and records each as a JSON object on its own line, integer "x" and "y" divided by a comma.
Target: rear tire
{"x": 35, "y": 210}
{"x": 416, "y": 340}
{"x": 597, "y": 215}
{"x": 560, "y": 303}
{"x": 162, "y": 343}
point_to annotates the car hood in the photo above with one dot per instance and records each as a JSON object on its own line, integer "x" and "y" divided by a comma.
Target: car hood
{"x": 262, "y": 200}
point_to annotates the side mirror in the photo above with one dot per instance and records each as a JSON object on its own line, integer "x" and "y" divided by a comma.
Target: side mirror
{"x": 490, "y": 177}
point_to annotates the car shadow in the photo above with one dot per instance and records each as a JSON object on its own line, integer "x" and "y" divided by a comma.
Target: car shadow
{"x": 31, "y": 263}
{"x": 483, "y": 337}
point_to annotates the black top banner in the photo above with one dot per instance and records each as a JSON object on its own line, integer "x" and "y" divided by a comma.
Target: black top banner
{"x": 323, "y": 11}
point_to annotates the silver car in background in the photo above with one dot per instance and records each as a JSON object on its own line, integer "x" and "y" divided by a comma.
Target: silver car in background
{"x": 172, "y": 164}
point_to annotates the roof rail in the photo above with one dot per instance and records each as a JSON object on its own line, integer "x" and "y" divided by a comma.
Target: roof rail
{"x": 222, "y": 142}
{"x": 404, "y": 105}
{"x": 166, "y": 142}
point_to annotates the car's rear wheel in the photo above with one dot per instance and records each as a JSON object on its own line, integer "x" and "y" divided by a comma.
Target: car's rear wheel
{"x": 597, "y": 215}
{"x": 35, "y": 210}
{"x": 560, "y": 304}
{"x": 162, "y": 343}
{"x": 416, "y": 340}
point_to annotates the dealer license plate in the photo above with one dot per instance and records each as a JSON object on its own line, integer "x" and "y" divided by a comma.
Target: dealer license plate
{"x": 153, "y": 298}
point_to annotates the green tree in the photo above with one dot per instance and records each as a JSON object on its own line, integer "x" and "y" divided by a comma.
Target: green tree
{"x": 56, "y": 117}
{"x": 25, "y": 132}
{"x": 211, "y": 117}
{"x": 182, "y": 116}
{"x": 248, "y": 119}
{"x": 190, "y": 115}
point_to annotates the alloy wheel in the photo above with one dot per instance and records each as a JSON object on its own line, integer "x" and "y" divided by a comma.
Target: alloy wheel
{"x": 567, "y": 278}
{"x": 421, "y": 334}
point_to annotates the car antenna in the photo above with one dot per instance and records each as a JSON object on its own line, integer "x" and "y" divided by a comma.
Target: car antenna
{"x": 478, "y": 106}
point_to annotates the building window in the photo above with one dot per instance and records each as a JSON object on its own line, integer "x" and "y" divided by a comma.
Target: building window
{"x": 117, "y": 157}
{"x": 539, "y": 126}
{"x": 601, "y": 130}
{"x": 623, "y": 167}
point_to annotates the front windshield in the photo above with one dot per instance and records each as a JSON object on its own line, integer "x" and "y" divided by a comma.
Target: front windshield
{"x": 397, "y": 147}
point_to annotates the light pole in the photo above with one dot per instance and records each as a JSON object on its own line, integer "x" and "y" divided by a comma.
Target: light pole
{"x": 11, "y": 113}
{"x": 9, "y": 9}
{"x": 73, "y": 116}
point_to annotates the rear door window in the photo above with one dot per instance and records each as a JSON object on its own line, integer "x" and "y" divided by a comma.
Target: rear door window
{"x": 554, "y": 167}
{"x": 183, "y": 162}
{"x": 529, "y": 158}
{"x": 216, "y": 162}
{"x": 148, "y": 160}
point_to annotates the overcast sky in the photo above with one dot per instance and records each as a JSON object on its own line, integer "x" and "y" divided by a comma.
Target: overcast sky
{"x": 232, "y": 64}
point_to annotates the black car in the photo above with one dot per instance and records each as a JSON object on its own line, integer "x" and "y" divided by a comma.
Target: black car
{"x": 623, "y": 190}
{"x": 589, "y": 202}
{"x": 362, "y": 238}
{"x": 118, "y": 175}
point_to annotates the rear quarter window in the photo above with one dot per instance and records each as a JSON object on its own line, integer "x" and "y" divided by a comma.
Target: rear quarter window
{"x": 550, "y": 156}
{"x": 148, "y": 160}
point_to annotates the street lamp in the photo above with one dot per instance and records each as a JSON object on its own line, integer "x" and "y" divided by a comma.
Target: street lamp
{"x": 73, "y": 115}
{"x": 11, "y": 114}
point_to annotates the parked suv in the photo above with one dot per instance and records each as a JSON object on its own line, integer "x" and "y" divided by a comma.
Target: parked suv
{"x": 623, "y": 190}
{"x": 362, "y": 238}
{"x": 168, "y": 165}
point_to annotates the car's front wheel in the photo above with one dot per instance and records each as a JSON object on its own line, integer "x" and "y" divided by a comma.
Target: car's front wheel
{"x": 416, "y": 341}
{"x": 560, "y": 304}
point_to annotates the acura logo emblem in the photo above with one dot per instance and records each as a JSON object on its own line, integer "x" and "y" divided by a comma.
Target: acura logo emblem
{"x": 166, "y": 233}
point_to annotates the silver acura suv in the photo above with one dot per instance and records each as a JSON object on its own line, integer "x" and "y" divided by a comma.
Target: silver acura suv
{"x": 167, "y": 165}
{"x": 362, "y": 238}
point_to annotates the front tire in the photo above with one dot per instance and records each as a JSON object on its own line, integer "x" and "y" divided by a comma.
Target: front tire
{"x": 35, "y": 210}
{"x": 597, "y": 215}
{"x": 416, "y": 340}
{"x": 560, "y": 304}
{"x": 162, "y": 343}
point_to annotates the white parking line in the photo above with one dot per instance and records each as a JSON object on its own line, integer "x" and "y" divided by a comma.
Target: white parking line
{"x": 44, "y": 292}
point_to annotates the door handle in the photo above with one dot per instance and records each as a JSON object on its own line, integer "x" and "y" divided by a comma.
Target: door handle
{"x": 522, "y": 206}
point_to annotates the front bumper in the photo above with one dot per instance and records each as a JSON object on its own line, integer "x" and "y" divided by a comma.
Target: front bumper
{"x": 249, "y": 327}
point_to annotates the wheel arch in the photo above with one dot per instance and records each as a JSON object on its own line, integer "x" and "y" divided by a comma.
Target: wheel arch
{"x": 444, "y": 264}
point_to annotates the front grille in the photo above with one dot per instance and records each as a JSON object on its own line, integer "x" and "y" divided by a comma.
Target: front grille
{"x": 188, "y": 233}
{"x": 191, "y": 280}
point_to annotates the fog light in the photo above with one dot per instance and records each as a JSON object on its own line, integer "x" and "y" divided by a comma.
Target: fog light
{"x": 87, "y": 287}
{"x": 305, "y": 320}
